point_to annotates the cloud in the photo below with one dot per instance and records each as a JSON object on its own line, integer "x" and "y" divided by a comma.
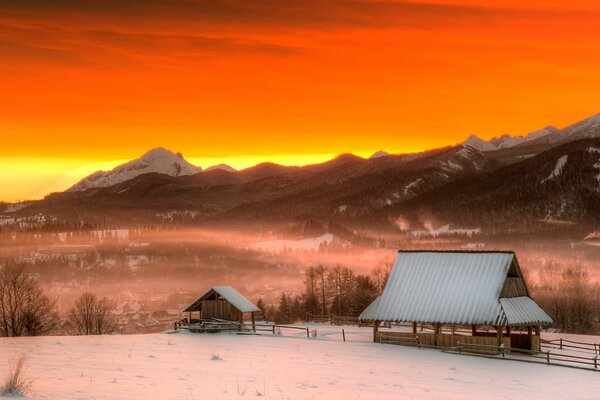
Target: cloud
{"x": 263, "y": 13}
{"x": 135, "y": 31}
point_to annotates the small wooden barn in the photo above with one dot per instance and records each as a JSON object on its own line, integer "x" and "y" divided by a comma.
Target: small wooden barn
{"x": 476, "y": 298}
{"x": 223, "y": 303}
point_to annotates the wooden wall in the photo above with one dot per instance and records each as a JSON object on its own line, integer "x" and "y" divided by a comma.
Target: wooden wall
{"x": 513, "y": 287}
{"x": 220, "y": 309}
{"x": 443, "y": 340}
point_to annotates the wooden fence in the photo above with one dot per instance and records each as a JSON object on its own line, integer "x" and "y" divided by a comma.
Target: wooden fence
{"x": 273, "y": 328}
{"x": 441, "y": 341}
{"x": 542, "y": 357}
{"x": 333, "y": 319}
{"x": 571, "y": 344}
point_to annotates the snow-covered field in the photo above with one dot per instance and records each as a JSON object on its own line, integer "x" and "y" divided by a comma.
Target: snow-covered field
{"x": 229, "y": 366}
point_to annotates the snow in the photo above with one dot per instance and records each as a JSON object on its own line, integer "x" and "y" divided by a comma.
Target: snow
{"x": 409, "y": 188}
{"x": 308, "y": 244}
{"x": 14, "y": 207}
{"x": 452, "y": 165}
{"x": 454, "y": 288}
{"x": 479, "y": 144}
{"x": 229, "y": 294}
{"x": 508, "y": 141}
{"x": 593, "y": 149}
{"x": 157, "y": 160}
{"x": 560, "y": 163}
{"x": 588, "y": 128}
{"x": 229, "y": 366}
{"x": 379, "y": 154}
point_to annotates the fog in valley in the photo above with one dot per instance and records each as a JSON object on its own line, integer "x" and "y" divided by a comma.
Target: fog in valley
{"x": 151, "y": 274}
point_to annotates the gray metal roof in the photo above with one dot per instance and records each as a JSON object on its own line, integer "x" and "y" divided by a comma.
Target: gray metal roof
{"x": 456, "y": 287}
{"x": 523, "y": 311}
{"x": 228, "y": 293}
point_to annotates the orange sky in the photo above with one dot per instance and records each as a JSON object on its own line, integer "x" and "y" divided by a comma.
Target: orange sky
{"x": 87, "y": 84}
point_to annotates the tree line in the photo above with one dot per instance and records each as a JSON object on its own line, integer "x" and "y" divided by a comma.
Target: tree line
{"x": 569, "y": 295}
{"x": 566, "y": 292}
{"x": 335, "y": 290}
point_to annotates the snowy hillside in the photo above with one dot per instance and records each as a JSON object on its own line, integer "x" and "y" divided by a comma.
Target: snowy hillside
{"x": 229, "y": 366}
{"x": 588, "y": 128}
{"x": 159, "y": 160}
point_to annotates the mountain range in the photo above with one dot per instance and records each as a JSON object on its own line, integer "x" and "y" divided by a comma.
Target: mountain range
{"x": 547, "y": 178}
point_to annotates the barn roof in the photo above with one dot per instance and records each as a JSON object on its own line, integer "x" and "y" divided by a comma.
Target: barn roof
{"x": 228, "y": 293}
{"x": 453, "y": 287}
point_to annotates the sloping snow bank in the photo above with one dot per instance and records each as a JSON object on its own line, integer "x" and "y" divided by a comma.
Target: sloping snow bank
{"x": 227, "y": 366}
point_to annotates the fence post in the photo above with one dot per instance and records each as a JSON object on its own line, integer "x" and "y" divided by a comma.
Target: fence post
{"x": 459, "y": 348}
{"x": 561, "y": 343}
{"x": 548, "y": 357}
{"x": 418, "y": 342}
{"x": 344, "y": 335}
{"x": 273, "y": 329}
{"x": 307, "y": 333}
{"x": 502, "y": 349}
{"x": 595, "y": 362}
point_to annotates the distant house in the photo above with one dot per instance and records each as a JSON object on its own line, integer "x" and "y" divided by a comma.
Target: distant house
{"x": 221, "y": 302}
{"x": 464, "y": 293}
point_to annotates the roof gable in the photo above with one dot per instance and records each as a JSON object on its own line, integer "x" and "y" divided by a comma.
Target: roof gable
{"x": 456, "y": 287}
{"x": 446, "y": 287}
{"x": 228, "y": 293}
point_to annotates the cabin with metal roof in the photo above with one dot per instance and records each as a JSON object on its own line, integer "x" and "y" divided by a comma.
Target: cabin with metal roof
{"x": 473, "y": 298}
{"x": 221, "y": 303}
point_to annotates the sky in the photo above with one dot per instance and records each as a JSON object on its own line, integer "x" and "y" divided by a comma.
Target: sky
{"x": 86, "y": 85}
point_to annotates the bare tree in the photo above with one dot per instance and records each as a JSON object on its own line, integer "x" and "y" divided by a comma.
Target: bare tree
{"x": 91, "y": 316}
{"x": 569, "y": 295}
{"x": 320, "y": 272}
{"x": 24, "y": 309}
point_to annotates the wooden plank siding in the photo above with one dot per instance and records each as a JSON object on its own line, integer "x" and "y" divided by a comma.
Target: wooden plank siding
{"x": 443, "y": 340}
{"x": 220, "y": 309}
{"x": 513, "y": 287}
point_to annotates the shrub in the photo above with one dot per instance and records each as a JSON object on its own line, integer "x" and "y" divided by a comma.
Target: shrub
{"x": 15, "y": 380}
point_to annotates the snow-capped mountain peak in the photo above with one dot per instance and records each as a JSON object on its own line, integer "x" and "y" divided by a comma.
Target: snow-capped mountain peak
{"x": 588, "y": 128}
{"x": 222, "y": 167}
{"x": 507, "y": 141}
{"x": 479, "y": 144}
{"x": 159, "y": 160}
{"x": 379, "y": 154}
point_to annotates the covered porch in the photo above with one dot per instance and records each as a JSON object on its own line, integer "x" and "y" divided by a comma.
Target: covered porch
{"x": 483, "y": 339}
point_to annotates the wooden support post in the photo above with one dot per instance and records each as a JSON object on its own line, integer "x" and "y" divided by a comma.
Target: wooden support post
{"x": 437, "y": 328}
{"x": 529, "y": 332}
{"x": 473, "y": 330}
{"x": 499, "y": 332}
{"x": 414, "y": 327}
{"x": 538, "y": 330}
{"x": 375, "y": 328}
{"x": 253, "y": 323}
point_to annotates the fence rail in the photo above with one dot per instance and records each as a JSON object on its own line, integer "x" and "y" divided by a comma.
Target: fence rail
{"x": 571, "y": 344}
{"x": 333, "y": 319}
{"x": 547, "y": 357}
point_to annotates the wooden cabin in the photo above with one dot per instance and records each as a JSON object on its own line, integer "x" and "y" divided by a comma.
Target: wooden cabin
{"x": 476, "y": 298}
{"x": 221, "y": 303}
